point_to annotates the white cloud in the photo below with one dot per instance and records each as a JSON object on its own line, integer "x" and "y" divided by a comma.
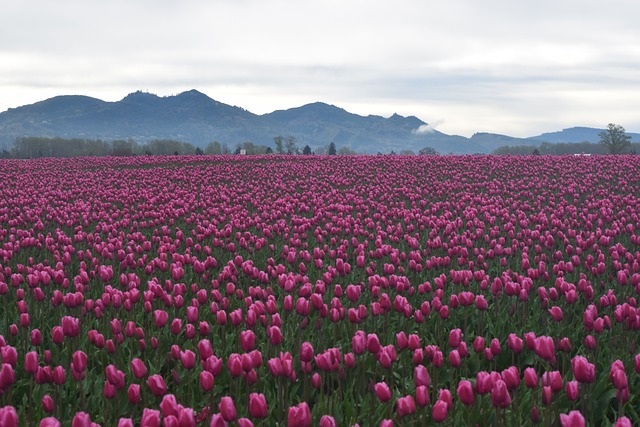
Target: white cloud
{"x": 423, "y": 129}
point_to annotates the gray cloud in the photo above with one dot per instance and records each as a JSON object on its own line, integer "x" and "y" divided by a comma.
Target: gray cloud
{"x": 501, "y": 66}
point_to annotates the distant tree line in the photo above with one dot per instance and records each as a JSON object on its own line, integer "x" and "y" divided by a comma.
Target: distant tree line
{"x": 613, "y": 140}
{"x": 36, "y": 147}
{"x": 561, "y": 148}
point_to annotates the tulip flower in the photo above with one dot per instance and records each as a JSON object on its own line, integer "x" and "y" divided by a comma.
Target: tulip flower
{"x": 81, "y": 419}
{"x": 299, "y": 416}
{"x": 422, "y": 396}
{"x": 500, "y": 395}
{"x": 138, "y": 368}
{"x": 572, "y": 419}
{"x": 157, "y": 385}
{"x": 247, "y": 340}
{"x": 48, "y": 404}
{"x": 572, "y": 390}
{"x": 405, "y": 406}
{"x": 583, "y": 371}
{"x": 133, "y": 393}
{"x": 31, "y": 362}
{"x": 306, "y": 352}
{"x": 439, "y": 411}
{"x": 206, "y": 380}
{"x": 465, "y": 392}
{"x": 227, "y": 409}
{"x": 188, "y": 359}
{"x": 382, "y": 391}
{"x": 150, "y": 418}
{"x": 45, "y": 422}
{"x": 623, "y": 422}
{"x": 160, "y": 318}
{"x": 618, "y": 376}
{"x": 327, "y": 421}
{"x": 257, "y": 405}
{"x": 455, "y": 337}
{"x": 421, "y": 376}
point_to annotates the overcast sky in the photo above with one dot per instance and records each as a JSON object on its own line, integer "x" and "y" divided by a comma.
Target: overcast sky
{"x": 517, "y": 67}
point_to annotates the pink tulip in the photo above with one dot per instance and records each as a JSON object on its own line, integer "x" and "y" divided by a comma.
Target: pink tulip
{"x": 465, "y": 392}
{"x": 402, "y": 341}
{"x": 405, "y": 406}
{"x": 227, "y": 408}
{"x": 572, "y": 390}
{"x": 79, "y": 361}
{"x": 623, "y": 422}
{"x": 257, "y": 405}
{"x": 618, "y": 376}
{"x": 247, "y": 340}
{"x": 138, "y": 368}
{"x": 160, "y": 318}
{"x": 188, "y": 359}
{"x": 382, "y": 391}
{"x": 422, "y": 396}
{"x": 455, "y": 337}
{"x": 554, "y": 380}
{"x": 48, "y": 422}
{"x": 500, "y": 395}
{"x": 169, "y": 406}
{"x": 421, "y": 376}
{"x": 218, "y": 421}
{"x": 133, "y": 393}
{"x": 31, "y": 362}
{"x": 157, "y": 385}
{"x": 206, "y": 380}
{"x": 327, "y": 421}
{"x": 306, "y": 352}
{"x": 48, "y": 404}
{"x": 439, "y": 411}
{"x": 81, "y": 419}
{"x": 150, "y": 418}
{"x": 556, "y": 313}
{"x": 573, "y": 419}
{"x": 583, "y": 371}
{"x": 299, "y": 416}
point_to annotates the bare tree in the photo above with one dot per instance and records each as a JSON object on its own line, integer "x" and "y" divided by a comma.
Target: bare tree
{"x": 615, "y": 138}
{"x": 290, "y": 145}
{"x": 278, "y": 142}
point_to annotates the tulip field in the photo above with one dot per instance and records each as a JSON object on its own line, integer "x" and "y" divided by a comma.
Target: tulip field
{"x": 301, "y": 291}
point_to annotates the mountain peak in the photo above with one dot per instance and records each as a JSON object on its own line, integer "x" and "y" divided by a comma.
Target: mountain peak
{"x": 140, "y": 96}
{"x": 193, "y": 93}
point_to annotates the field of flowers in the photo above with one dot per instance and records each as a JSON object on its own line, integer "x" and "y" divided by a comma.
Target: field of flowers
{"x": 304, "y": 291}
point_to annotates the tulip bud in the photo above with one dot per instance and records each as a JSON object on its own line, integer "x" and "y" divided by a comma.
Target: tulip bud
{"x": 299, "y": 416}
{"x": 227, "y": 409}
{"x": 48, "y": 404}
{"x": 257, "y": 405}
{"x": 405, "y": 406}
{"x": 439, "y": 411}
{"x": 573, "y": 419}
{"x": 157, "y": 385}
{"x": 465, "y": 392}
{"x": 31, "y": 362}
{"x": 206, "y": 380}
{"x": 382, "y": 391}
{"x": 133, "y": 393}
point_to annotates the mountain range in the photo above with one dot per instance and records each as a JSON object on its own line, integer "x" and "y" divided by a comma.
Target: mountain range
{"x": 196, "y": 118}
